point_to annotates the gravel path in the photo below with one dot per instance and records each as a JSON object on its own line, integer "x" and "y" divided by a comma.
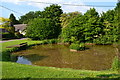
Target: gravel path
{"x": 12, "y": 40}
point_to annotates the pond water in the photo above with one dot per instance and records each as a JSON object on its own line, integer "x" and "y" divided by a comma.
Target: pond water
{"x": 97, "y": 57}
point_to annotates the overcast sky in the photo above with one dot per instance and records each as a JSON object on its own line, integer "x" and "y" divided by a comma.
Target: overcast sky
{"x": 24, "y": 6}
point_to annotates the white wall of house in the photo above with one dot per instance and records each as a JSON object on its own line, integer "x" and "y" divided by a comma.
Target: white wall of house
{"x": 22, "y": 32}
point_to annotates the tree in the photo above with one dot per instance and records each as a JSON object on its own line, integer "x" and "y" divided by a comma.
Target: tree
{"x": 6, "y": 25}
{"x": 74, "y": 31}
{"x": 28, "y": 16}
{"x": 53, "y": 12}
{"x": 83, "y": 28}
{"x": 110, "y": 31}
{"x": 5, "y": 22}
{"x": 42, "y": 28}
{"x": 117, "y": 17}
{"x": 67, "y": 17}
{"x": 13, "y": 19}
{"x": 92, "y": 25}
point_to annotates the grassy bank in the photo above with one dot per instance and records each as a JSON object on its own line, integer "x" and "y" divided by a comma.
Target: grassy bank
{"x": 11, "y": 70}
{"x": 15, "y": 70}
{"x": 6, "y": 51}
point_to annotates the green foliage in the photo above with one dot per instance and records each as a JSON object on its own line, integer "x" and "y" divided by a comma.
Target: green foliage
{"x": 106, "y": 39}
{"x": 73, "y": 30}
{"x": 29, "y": 16}
{"x": 77, "y": 46}
{"x": 116, "y": 63}
{"x": 83, "y": 28}
{"x": 49, "y": 41}
{"x": 91, "y": 27}
{"x": 110, "y": 31}
{"x": 5, "y": 55}
{"x": 18, "y": 35}
{"x": 53, "y": 12}
{"x": 45, "y": 24}
{"x": 13, "y": 19}
{"x": 8, "y": 35}
{"x": 42, "y": 28}
{"x": 87, "y": 28}
{"x": 10, "y": 29}
{"x": 67, "y": 17}
{"x": 45, "y": 42}
{"x": 53, "y": 41}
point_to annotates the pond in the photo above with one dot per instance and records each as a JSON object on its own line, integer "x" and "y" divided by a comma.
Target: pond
{"x": 97, "y": 57}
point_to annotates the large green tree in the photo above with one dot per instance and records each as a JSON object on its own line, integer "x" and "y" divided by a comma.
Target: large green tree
{"x": 30, "y": 15}
{"x": 92, "y": 25}
{"x": 110, "y": 31}
{"x": 117, "y": 18}
{"x": 53, "y": 12}
{"x": 83, "y": 28}
{"x": 42, "y": 28}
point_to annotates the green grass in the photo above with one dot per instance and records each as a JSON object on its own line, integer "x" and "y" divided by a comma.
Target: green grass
{"x": 6, "y": 51}
{"x": 20, "y": 71}
{"x": 5, "y": 44}
{"x": 15, "y": 70}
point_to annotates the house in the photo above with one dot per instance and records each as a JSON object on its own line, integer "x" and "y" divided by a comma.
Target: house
{"x": 21, "y": 28}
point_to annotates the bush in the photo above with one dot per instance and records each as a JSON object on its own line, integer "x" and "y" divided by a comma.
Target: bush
{"x": 42, "y": 28}
{"x": 8, "y": 35}
{"x": 76, "y": 46}
{"x": 18, "y": 35}
{"x": 52, "y": 41}
{"x": 5, "y": 55}
{"x": 13, "y": 57}
{"x": 116, "y": 64}
{"x": 49, "y": 41}
{"x": 106, "y": 39}
{"x": 45, "y": 42}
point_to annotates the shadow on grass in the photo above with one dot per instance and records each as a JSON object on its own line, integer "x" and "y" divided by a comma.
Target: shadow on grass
{"x": 107, "y": 76}
{"x": 62, "y": 79}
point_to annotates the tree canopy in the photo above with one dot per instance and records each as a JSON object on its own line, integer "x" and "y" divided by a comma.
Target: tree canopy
{"x": 75, "y": 27}
{"x": 13, "y": 19}
{"x": 30, "y": 15}
{"x": 42, "y": 28}
{"x": 67, "y": 17}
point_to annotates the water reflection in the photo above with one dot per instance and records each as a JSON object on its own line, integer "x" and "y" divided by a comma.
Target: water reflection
{"x": 97, "y": 57}
{"x": 23, "y": 60}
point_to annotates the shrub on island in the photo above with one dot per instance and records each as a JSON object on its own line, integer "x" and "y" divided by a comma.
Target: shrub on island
{"x": 77, "y": 47}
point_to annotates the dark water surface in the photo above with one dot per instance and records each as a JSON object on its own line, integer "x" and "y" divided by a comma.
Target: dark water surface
{"x": 97, "y": 57}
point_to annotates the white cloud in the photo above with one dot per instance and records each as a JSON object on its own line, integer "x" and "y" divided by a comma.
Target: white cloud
{"x": 65, "y": 8}
{"x": 11, "y": 1}
{"x": 99, "y": 0}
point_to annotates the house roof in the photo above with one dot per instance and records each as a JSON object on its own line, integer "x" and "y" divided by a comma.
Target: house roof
{"x": 20, "y": 27}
